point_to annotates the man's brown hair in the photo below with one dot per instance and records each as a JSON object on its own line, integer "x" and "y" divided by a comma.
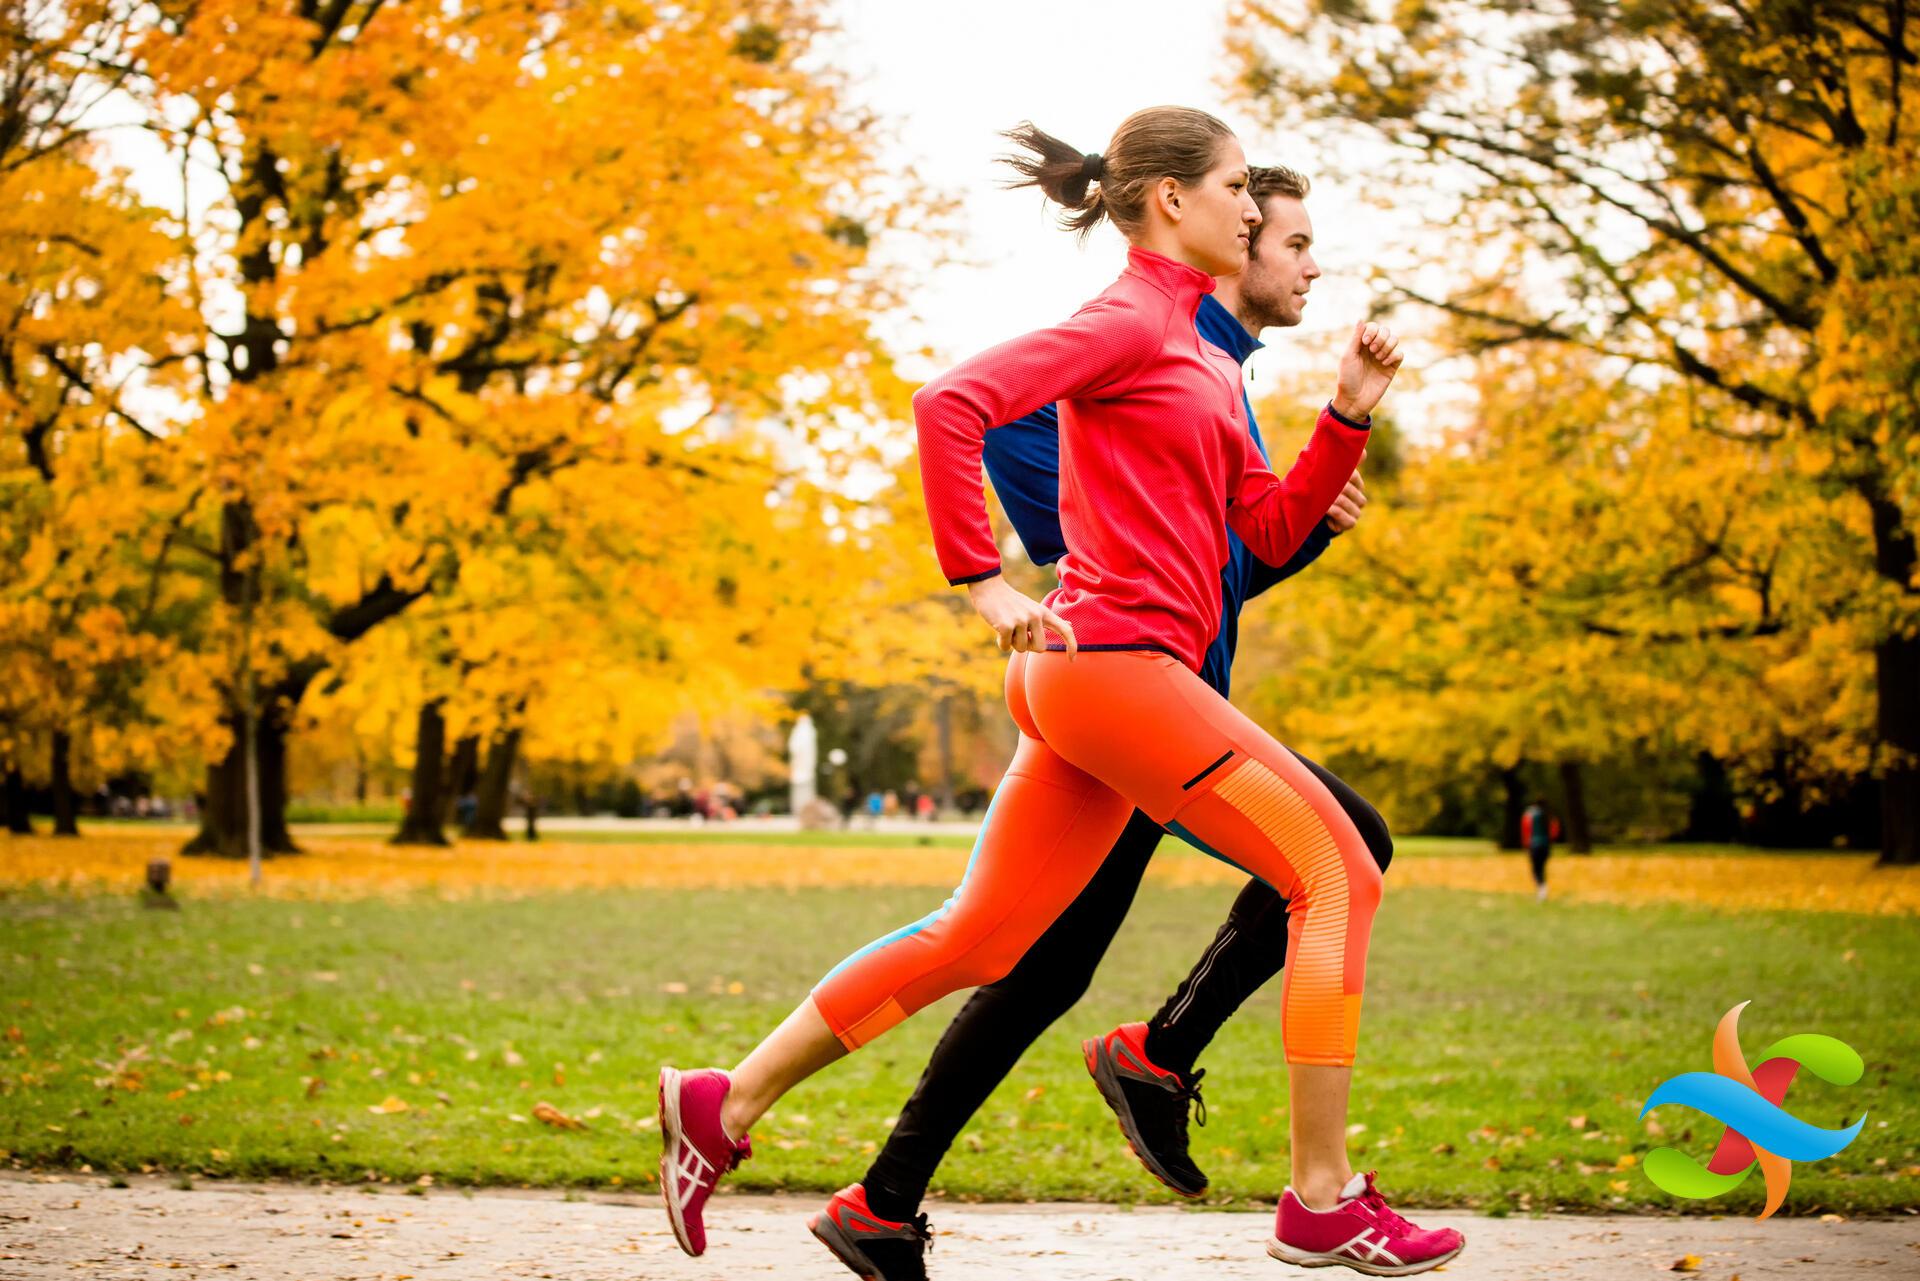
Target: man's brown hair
{"x": 1264, "y": 182}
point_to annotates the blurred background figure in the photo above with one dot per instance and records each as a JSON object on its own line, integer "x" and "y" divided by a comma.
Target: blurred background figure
{"x": 1538, "y": 830}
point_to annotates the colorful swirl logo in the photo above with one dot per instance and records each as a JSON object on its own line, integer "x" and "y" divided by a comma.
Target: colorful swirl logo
{"x": 1759, "y": 1132}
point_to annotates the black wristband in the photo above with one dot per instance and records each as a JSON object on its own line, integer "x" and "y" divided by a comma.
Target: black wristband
{"x": 1345, "y": 421}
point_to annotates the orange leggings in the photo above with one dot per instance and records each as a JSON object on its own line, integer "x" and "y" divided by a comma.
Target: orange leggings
{"x": 1099, "y": 735}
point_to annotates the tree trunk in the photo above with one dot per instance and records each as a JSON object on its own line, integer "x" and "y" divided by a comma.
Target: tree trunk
{"x": 1579, "y": 834}
{"x": 489, "y": 820}
{"x": 463, "y": 775}
{"x": 66, "y": 813}
{"x": 420, "y": 825}
{"x": 944, "y": 719}
{"x": 223, "y": 823}
{"x": 1515, "y": 789}
{"x": 1711, "y": 815}
{"x": 1897, "y": 687}
{"x": 15, "y": 792}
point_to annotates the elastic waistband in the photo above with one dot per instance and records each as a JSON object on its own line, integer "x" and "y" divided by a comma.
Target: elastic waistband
{"x": 1134, "y": 647}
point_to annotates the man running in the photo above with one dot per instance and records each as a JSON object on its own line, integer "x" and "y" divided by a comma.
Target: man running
{"x": 1144, "y": 1070}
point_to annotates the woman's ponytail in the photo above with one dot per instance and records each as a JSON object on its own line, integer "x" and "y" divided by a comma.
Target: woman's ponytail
{"x": 1159, "y": 142}
{"x": 1064, "y": 174}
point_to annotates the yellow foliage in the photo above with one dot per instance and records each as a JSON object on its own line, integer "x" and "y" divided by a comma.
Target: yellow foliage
{"x": 344, "y": 867}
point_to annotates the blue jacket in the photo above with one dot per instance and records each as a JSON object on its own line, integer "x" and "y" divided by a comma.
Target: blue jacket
{"x": 1023, "y": 461}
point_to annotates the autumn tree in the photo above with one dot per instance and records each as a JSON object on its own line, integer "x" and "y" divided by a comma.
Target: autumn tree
{"x": 1723, "y": 193}
{"x": 90, "y": 327}
{"x": 1575, "y": 578}
{"x": 455, "y": 252}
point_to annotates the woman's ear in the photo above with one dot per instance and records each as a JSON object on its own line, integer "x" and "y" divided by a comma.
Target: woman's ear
{"x": 1168, "y": 193}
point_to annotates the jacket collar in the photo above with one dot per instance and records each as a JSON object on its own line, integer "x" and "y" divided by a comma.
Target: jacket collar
{"x": 1223, "y": 329}
{"x": 1176, "y": 278}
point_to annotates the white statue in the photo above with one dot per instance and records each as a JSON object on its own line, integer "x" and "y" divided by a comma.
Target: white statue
{"x": 803, "y": 760}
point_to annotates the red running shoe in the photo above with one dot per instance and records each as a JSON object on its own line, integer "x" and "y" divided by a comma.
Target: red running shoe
{"x": 877, "y": 1249}
{"x": 694, "y": 1149}
{"x": 1360, "y": 1232}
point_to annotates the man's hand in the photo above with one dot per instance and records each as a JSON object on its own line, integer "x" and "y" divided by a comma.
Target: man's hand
{"x": 1369, "y": 363}
{"x": 1345, "y": 512}
{"x": 1020, "y": 622}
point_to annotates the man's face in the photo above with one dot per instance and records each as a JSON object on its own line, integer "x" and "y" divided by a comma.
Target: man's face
{"x": 1281, "y": 268}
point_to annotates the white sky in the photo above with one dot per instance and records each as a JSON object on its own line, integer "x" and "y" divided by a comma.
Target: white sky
{"x": 948, "y": 85}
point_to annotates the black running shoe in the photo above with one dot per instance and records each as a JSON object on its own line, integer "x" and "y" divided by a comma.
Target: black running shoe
{"x": 1150, "y": 1104}
{"x": 875, "y": 1248}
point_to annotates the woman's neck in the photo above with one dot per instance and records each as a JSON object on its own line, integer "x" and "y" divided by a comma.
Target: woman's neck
{"x": 1162, "y": 239}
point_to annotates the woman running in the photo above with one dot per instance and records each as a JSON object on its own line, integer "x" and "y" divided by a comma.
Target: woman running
{"x": 1156, "y": 463}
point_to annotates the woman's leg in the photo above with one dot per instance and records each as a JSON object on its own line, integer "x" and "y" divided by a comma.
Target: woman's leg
{"x": 1000, "y": 1021}
{"x": 1249, "y": 949}
{"x": 1154, "y": 732}
{"x": 1046, "y": 831}
{"x": 1048, "y": 828}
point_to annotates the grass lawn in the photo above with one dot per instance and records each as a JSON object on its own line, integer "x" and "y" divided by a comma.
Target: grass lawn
{"x": 1506, "y": 1052}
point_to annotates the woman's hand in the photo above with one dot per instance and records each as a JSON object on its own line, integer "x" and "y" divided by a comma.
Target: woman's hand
{"x": 1369, "y": 363}
{"x": 1020, "y": 622}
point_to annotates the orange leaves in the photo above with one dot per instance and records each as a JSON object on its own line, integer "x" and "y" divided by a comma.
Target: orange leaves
{"x": 551, "y": 1115}
{"x": 569, "y": 318}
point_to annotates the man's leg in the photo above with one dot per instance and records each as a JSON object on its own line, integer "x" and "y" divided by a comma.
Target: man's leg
{"x": 999, "y": 1021}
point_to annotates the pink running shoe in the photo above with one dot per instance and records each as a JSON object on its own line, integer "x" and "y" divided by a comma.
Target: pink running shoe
{"x": 1360, "y": 1232}
{"x": 694, "y": 1149}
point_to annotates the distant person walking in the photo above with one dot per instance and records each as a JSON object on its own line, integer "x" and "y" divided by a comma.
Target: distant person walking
{"x": 1538, "y": 829}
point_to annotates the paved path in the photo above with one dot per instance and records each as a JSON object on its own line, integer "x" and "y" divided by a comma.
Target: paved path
{"x": 63, "y": 1226}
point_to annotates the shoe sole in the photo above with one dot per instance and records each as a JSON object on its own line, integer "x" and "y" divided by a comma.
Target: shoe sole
{"x": 669, "y": 1140}
{"x": 1278, "y": 1249}
{"x": 835, "y": 1238}
{"x": 1101, "y": 1068}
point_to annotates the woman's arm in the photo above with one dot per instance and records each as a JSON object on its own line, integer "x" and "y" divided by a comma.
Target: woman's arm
{"x": 1098, "y": 351}
{"x": 1272, "y": 516}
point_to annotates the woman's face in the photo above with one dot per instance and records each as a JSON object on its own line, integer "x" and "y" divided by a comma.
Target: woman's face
{"x": 1216, "y": 218}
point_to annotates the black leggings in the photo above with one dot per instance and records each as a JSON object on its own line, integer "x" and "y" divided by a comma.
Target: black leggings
{"x": 999, "y": 1021}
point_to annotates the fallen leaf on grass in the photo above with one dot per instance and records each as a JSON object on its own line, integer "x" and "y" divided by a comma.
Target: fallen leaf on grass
{"x": 389, "y": 1105}
{"x": 555, "y": 1117}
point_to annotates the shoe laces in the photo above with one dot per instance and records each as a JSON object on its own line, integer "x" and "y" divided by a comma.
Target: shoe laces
{"x": 1382, "y": 1212}
{"x": 1190, "y": 1091}
{"x": 743, "y": 1150}
{"x": 923, "y": 1230}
